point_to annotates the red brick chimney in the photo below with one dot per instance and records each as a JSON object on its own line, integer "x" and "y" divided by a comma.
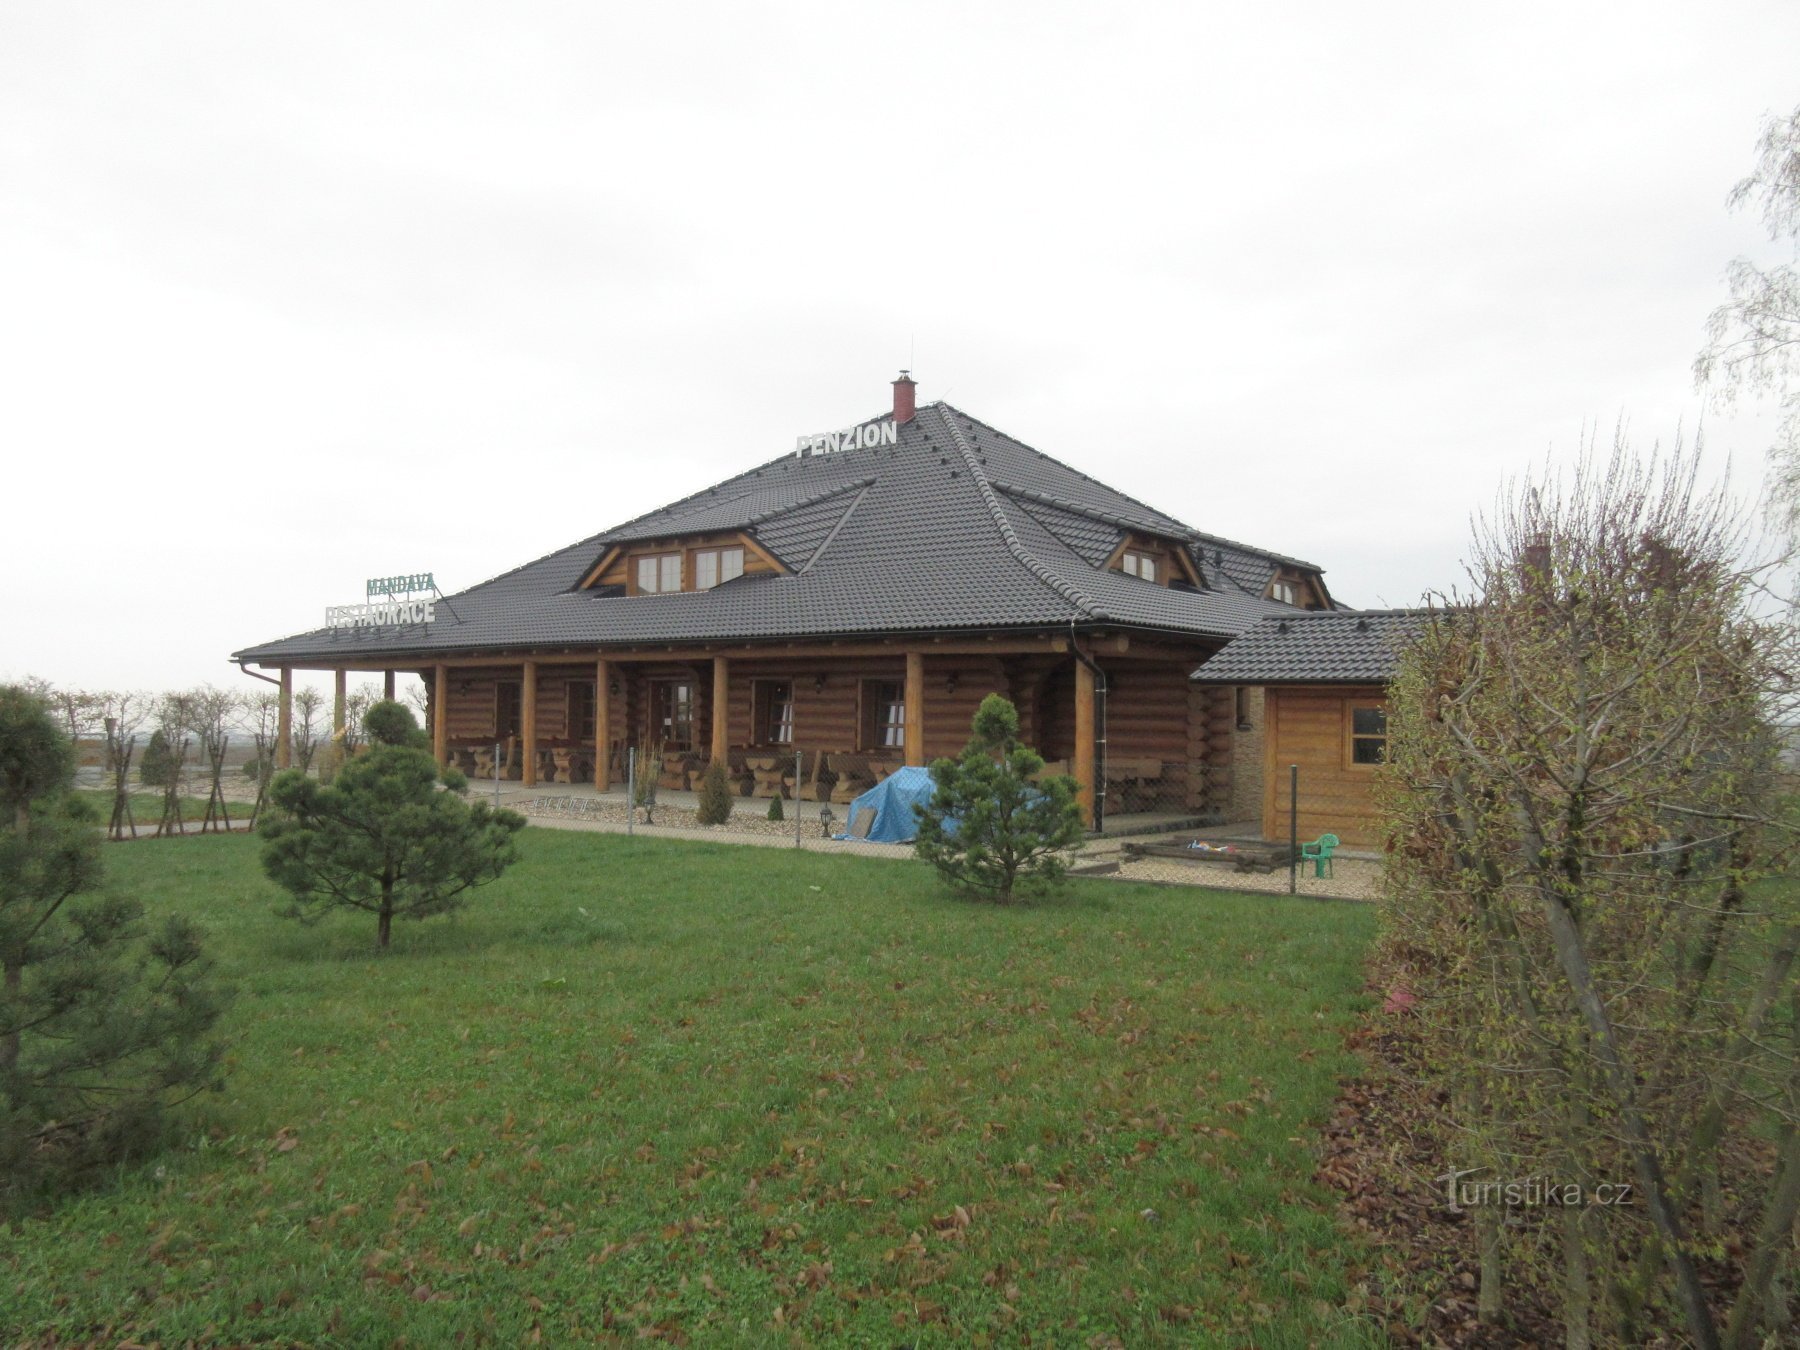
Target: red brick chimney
{"x": 904, "y": 392}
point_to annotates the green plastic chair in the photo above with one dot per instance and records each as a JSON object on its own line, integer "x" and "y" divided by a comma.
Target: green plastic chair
{"x": 1319, "y": 854}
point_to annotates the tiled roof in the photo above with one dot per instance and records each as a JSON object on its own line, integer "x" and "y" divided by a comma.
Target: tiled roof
{"x": 1324, "y": 647}
{"x": 957, "y": 526}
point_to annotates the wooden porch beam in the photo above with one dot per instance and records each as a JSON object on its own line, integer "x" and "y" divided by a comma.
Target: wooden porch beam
{"x": 284, "y": 721}
{"x": 340, "y": 714}
{"x": 528, "y": 723}
{"x": 721, "y": 707}
{"x": 1084, "y": 739}
{"x": 602, "y": 724}
{"x": 387, "y": 685}
{"x": 915, "y": 708}
{"x": 440, "y": 715}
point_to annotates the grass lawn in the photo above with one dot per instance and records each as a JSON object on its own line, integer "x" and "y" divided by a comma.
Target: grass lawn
{"x": 721, "y": 1094}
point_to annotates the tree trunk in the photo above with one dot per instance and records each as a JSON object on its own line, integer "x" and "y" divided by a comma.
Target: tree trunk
{"x": 9, "y": 1044}
{"x": 1577, "y": 1291}
{"x": 1492, "y": 1287}
{"x": 387, "y": 910}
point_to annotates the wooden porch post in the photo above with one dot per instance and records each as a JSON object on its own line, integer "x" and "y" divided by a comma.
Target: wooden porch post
{"x": 721, "y": 707}
{"x": 284, "y": 722}
{"x": 387, "y": 685}
{"x": 602, "y": 724}
{"x": 440, "y": 715}
{"x": 1084, "y": 739}
{"x": 528, "y": 723}
{"x": 340, "y": 713}
{"x": 915, "y": 708}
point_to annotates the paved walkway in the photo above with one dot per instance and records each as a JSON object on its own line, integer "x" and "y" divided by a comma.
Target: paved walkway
{"x": 1355, "y": 878}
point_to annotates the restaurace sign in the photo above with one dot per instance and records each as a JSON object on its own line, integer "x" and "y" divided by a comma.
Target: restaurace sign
{"x": 866, "y": 436}
{"x": 395, "y": 601}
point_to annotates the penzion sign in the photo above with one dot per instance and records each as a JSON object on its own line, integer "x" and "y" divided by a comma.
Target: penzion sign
{"x": 866, "y": 436}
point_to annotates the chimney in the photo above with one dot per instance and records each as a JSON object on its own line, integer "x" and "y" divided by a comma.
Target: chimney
{"x": 904, "y": 391}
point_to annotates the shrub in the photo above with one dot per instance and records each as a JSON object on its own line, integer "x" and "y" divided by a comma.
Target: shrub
{"x": 157, "y": 766}
{"x": 715, "y": 795}
{"x": 989, "y": 828}
{"x": 775, "y": 811}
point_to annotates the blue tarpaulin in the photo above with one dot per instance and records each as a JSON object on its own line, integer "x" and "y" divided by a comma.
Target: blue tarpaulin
{"x": 893, "y": 799}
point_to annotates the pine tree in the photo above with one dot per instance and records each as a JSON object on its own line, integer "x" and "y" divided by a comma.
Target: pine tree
{"x": 382, "y": 837}
{"x": 990, "y": 829}
{"x": 775, "y": 811}
{"x": 104, "y": 1024}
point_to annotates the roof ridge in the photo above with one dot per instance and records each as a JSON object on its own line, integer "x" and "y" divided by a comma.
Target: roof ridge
{"x": 1092, "y": 513}
{"x": 1072, "y": 469}
{"x": 832, "y": 534}
{"x": 991, "y": 498}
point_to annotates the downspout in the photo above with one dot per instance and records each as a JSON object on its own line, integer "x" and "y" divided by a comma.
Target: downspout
{"x": 1099, "y": 788}
{"x": 256, "y": 675}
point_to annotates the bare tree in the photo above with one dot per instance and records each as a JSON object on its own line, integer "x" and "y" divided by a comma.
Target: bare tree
{"x": 122, "y": 715}
{"x": 1586, "y": 895}
{"x": 357, "y": 703}
{"x": 260, "y": 716}
{"x": 175, "y": 716}
{"x": 1753, "y": 339}
{"x": 308, "y": 727}
{"x": 214, "y": 713}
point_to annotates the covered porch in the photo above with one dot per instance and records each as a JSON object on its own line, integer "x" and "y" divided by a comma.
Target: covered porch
{"x": 820, "y": 723}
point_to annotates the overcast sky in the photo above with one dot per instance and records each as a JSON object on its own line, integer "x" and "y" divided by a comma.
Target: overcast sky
{"x": 292, "y": 296}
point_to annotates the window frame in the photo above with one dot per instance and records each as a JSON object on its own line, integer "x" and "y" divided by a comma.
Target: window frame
{"x": 661, "y": 559}
{"x": 762, "y": 705}
{"x": 501, "y": 731}
{"x": 591, "y": 713}
{"x": 661, "y": 689}
{"x": 1133, "y": 561}
{"x": 1351, "y": 736}
{"x": 1278, "y": 585}
{"x": 717, "y": 554}
{"x": 879, "y": 717}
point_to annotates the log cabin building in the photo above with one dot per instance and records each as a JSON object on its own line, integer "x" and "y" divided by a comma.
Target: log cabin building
{"x": 851, "y": 603}
{"x": 1315, "y": 687}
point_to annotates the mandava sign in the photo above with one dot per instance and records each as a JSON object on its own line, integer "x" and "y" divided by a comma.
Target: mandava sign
{"x": 394, "y": 601}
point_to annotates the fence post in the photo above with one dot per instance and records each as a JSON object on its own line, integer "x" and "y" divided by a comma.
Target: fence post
{"x": 496, "y": 773}
{"x": 799, "y": 786}
{"x": 631, "y": 790}
{"x": 1293, "y": 828}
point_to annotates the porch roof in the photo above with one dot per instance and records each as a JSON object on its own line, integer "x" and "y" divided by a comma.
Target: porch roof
{"x": 1330, "y": 647}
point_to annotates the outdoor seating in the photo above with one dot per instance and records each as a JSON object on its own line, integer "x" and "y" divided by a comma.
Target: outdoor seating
{"x": 1319, "y": 854}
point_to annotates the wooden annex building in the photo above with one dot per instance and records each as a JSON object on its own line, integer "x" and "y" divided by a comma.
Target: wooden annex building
{"x": 1322, "y": 680}
{"x": 849, "y": 604}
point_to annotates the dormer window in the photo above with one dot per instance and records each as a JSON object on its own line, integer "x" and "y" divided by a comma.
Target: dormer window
{"x": 1284, "y": 591}
{"x": 657, "y": 572}
{"x": 715, "y": 566}
{"x": 1135, "y": 564}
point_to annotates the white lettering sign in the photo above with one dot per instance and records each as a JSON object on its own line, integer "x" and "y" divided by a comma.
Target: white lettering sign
{"x": 866, "y": 436}
{"x": 380, "y": 616}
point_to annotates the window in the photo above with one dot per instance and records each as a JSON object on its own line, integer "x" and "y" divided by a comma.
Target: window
{"x": 774, "y": 712}
{"x": 658, "y": 572}
{"x": 672, "y": 714}
{"x": 1135, "y": 564}
{"x": 507, "y": 714}
{"x": 884, "y": 715}
{"x": 580, "y": 723}
{"x": 715, "y": 566}
{"x": 1241, "y": 706}
{"x": 1368, "y": 734}
{"x": 1284, "y": 591}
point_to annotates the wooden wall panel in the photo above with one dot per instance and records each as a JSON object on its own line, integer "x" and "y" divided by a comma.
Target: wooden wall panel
{"x": 1308, "y": 727}
{"x": 1147, "y": 719}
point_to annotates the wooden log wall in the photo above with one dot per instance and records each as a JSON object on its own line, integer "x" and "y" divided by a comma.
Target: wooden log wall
{"x": 1309, "y": 727}
{"x": 1147, "y": 718}
{"x": 1211, "y": 743}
